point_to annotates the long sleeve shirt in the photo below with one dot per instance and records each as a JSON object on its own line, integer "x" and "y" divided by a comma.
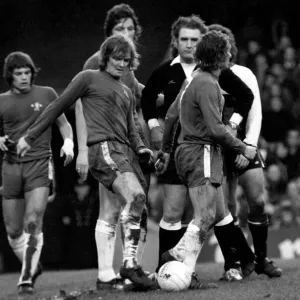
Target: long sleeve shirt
{"x": 107, "y": 107}
{"x": 254, "y": 120}
{"x": 199, "y": 106}
{"x": 168, "y": 79}
{"x": 130, "y": 81}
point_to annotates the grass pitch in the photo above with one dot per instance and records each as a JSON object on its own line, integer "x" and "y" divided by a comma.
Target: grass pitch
{"x": 83, "y": 283}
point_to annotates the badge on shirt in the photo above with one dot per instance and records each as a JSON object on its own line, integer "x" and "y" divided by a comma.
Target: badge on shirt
{"x": 36, "y": 106}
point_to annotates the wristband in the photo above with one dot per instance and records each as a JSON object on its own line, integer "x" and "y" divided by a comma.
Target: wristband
{"x": 68, "y": 143}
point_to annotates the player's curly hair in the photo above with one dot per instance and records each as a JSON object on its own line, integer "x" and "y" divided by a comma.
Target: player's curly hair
{"x": 190, "y": 22}
{"x": 118, "y": 45}
{"x": 117, "y": 13}
{"x": 227, "y": 31}
{"x": 16, "y": 60}
{"x": 211, "y": 51}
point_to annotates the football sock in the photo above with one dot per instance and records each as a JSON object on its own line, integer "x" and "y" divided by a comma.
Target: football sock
{"x": 194, "y": 239}
{"x": 224, "y": 231}
{"x": 143, "y": 236}
{"x": 244, "y": 252}
{"x": 18, "y": 245}
{"x": 105, "y": 236}
{"x": 169, "y": 235}
{"x": 259, "y": 231}
{"x": 131, "y": 231}
{"x": 31, "y": 256}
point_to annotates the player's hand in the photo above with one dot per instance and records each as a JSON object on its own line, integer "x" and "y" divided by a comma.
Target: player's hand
{"x": 156, "y": 137}
{"x": 3, "y": 140}
{"x": 82, "y": 164}
{"x": 250, "y": 152}
{"x": 145, "y": 155}
{"x": 22, "y": 147}
{"x": 231, "y": 130}
{"x": 241, "y": 162}
{"x": 162, "y": 162}
{"x": 67, "y": 150}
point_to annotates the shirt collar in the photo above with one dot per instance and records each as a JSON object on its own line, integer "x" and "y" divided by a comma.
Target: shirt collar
{"x": 176, "y": 60}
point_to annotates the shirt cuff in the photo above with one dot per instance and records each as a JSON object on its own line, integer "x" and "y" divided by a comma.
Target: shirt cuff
{"x": 153, "y": 123}
{"x": 236, "y": 118}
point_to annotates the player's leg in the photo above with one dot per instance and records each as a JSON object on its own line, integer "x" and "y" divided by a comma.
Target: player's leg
{"x": 208, "y": 204}
{"x": 244, "y": 253}
{"x": 13, "y": 206}
{"x": 170, "y": 231}
{"x": 252, "y": 182}
{"x": 35, "y": 202}
{"x": 37, "y": 176}
{"x": 105, "y": 236}
{"x": 110, "y": 164}
{"x": 143, "y": 170}
{"x": 209, "y": 208}
{"x": 129, "y": 188}
{"x": 13, "y": 214}
{"x": 231, "y": 239}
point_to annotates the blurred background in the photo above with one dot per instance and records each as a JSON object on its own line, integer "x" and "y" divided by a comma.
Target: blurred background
{"x": 61, "y": 35}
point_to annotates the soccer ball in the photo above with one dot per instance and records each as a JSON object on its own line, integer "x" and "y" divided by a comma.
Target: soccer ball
{"x": 174, "y": 276}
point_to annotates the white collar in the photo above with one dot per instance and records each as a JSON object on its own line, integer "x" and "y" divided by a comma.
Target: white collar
{"x": 176, "y": 60}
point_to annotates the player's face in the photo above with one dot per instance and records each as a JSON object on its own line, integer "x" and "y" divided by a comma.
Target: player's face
{"x": 117, "y": 64}
{"x": 186, "y": 43}
{"x": 21, "y": 80}
{"x": 125, "y": 27}
{"x": 226, "y": 62}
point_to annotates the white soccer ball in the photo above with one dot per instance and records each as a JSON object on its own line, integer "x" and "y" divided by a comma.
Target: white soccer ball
{"x": 174, "y": 276}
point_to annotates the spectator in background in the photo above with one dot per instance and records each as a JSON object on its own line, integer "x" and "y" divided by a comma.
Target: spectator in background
{"x": 80, "y": 218}
{"x": 276, "y": 181}
{"x": 276, "y": 121}
{"x": 293, "y": 156}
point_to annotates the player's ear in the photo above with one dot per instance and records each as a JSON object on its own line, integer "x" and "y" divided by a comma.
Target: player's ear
{"x": 176, "y": 43}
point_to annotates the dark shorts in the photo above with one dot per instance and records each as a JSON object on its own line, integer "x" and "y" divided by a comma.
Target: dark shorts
{"x": 196, "y": 163}
{"x": 170, "y": 176}
{"x": 18, "y": 178}
{"x": 108, "y": 157}
{"x": 229, "y": 165}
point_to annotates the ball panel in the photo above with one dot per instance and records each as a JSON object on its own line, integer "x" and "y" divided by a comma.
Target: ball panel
{"x": 174, "y": 276}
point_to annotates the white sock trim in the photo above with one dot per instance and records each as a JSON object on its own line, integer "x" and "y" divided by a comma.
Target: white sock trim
{"x": 170, "y": 226}
{"x": 227, "y": 220}
{"x": 105, "y": 227}
{"x": 193, "y": 228}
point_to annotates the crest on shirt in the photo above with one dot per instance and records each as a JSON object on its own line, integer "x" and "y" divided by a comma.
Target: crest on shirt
{"x": 36, "y": 106}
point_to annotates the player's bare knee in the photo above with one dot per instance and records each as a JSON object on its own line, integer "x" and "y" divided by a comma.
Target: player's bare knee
{"x": 207, "y": 219}
{"x": 14, "y": 233}
{"x": 257, "y": 207}
{"x": 32, "y": 227}
{"x": 172, "y": 216}
{"x": 138, "y": 203}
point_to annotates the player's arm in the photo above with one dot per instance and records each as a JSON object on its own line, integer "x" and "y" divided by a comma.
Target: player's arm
{"x": 67, "y": 134}
{"x": 253, "y": 124}
{"x": 75, "y": 90}
{"x": 152, "y": 89}
{"x": 3, "y": 136}
{"x": 243, "y": 95}
{"x": 207, "y": 96}
{"x": 171, "y": 123}
{"x": 134, "y": 138}
{"x": 82, "y": 164}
